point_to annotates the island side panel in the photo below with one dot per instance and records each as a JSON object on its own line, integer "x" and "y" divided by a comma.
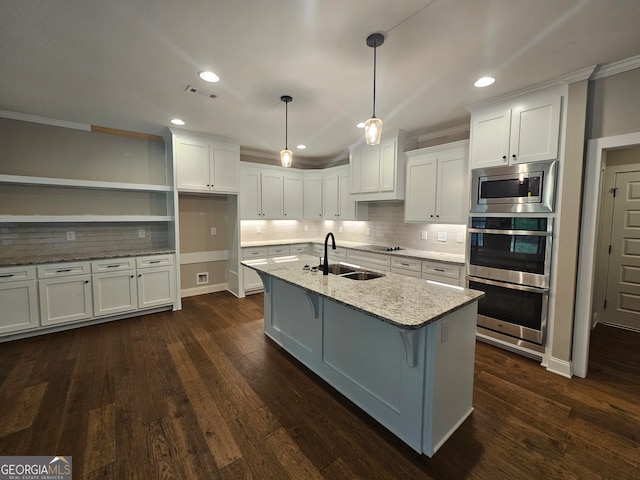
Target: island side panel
{"x": 451, "y": 343}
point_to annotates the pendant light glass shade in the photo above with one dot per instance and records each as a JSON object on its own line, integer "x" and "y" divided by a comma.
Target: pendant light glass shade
{"x": 373, "y": 131}
{"x": 286, "y": 155}
{"x": 373, "y": 126}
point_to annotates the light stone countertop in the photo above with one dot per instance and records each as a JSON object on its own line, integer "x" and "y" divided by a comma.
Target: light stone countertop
{"x": 80, "y": 257}
{"x": 452, "y": 258}
{"x": 405, "y": 302}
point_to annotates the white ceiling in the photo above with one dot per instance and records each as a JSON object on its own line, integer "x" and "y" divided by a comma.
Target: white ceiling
{"x": 126, "y": 63}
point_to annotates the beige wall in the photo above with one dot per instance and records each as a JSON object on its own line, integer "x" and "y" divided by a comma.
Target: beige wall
{"x": 615, "y": 108}
{"x": 188, "y": 274}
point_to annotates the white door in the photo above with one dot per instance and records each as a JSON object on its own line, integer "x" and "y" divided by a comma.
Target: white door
{"x": 155, "y": 287}
{"x": 19, "y": 309}
{"x": 355, "y": 162}
{"x": 292, "y": 197}
{"x": 370, "y": 172}
{"x": 388, "y": 166}
{"x": 490, "y": 138}
{"x": 225, "y": 171}
{"x": 535, "y": 129}
{"x": 114, "y": 292}
{"x": 271, "y": 195}
{"x": 192, "y": 165}
{"x": 420, "y": 201}
{"x": 330, "y": 197}
{"x": 312, "y": 203}
{"x": 250, "y": 208}
{"x": 453, "y": 190}
{"x": 346, "y": 205}
{"x": 622, "y": 301}
{"x": 65, "y": 299}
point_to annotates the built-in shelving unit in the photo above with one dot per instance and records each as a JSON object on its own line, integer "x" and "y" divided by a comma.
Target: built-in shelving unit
{"x": 66, "y": 182}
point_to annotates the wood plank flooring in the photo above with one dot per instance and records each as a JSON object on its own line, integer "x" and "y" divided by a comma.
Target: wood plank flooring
{"x": 203, "y": 394}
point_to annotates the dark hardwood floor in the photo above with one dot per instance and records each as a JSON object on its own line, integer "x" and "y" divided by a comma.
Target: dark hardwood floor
{"x": 203, "y": 394}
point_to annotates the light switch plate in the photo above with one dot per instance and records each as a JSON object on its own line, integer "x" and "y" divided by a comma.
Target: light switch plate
{"x": 258, "y": 229}
{"x": 142, "y": 233}
{"x": 306, "y": 228}
{"x": 424, "y": 235}
{"x": 459, "y": 237}
{"x": 367, "y": 232}
{"x": 213, "y": 230}
{"x": 442, "y": 236}
{"x": 71, "y": 236}
{"x": 339, "y": 229}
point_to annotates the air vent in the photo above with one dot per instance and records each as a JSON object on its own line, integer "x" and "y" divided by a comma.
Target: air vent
{"x": 199, "y": 91}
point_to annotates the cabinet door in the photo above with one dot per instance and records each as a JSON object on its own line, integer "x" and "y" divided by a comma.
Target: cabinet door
{"x": 156, "y": 287}
{"x": 452, "y": 189}
{"x": 388, "y": 166}
{"x": 420, "y": 200}
{"x": 535, "y": 129}
{"x": 114, "y": 292}
{"x": 292, "y": 197}
{"x": 355, "y": 161}
{"x": 347, "y": 206}
{"x": 312, "y": 198}
{"x": 370, "y": 173}
{"x": 224, "y": 177}
{"x": 192, "y": 164}
{"x": 65, "y": 299}
{"x": 251, "y": 281}
{"x": 490, "y": 138}
{"x": 271, "y": 195}
{"x": 19, "y": 310}
{"x": 250, "y": 208}
{"x": 330, "y": 197}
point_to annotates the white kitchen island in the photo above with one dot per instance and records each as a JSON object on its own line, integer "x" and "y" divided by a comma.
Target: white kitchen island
{"x": 400, "y": 348}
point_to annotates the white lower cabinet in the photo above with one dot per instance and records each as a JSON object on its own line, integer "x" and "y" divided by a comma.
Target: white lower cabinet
{"x": 156, "y": 281}
{"x": 369, "y": 260}
{"x": 407, "y": 266}
{"x": 443, "y": 273}
{"x": 19, "y": 299}
{"x": 65, "y": 293}
{"x": 115, "y": 288}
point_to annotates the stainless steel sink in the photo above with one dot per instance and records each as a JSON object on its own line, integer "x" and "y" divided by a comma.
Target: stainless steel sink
{"x": 338, "y": 269}
{"x": 363, "y": 275}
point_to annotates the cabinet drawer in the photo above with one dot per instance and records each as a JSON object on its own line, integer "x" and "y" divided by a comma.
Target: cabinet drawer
{"x": 302, "y": 248}
{"x": 408, "y": 273}
{"x": 154, "y": 261}
{"x": 63, "y": 269}
{"x": 339, "y": 253}
{"x": 441, "y": 269}
{"x": 14, "y": 274}
{"x": 256, "y": 252}
{"x": 369, "y": 259}
{"x": 113, "y": 265}
{"x": 406, "y": 264}
{"x": 278, "y": 251}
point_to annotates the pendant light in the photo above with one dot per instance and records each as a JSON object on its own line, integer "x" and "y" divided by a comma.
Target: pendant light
{"x": 286, "y": 155}
{"x": 373, "y": 126}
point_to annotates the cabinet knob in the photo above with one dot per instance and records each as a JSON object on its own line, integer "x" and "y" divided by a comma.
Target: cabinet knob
{"x": 86, "y": 281}
{"x": 437, "y": 216}
{"x": 504, "y": 157}
{"x": 285, "y": 214}
{"x": 139, "y": 275}
{"x": 513, "y": 156}
{"x": 431, "y": 216}
{"x": 132, "y": 276}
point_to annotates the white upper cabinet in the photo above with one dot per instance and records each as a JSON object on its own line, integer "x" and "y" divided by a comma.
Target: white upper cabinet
{"x": 337, "y": 203}
{"x": 525, "y": 129}
{"x": 378, "y": 171}
{"x": 205, "y": 164}
{"x": 312, "y": 202}
{"x": 261, "y": 194}
{"x": 292, "y": 195}
{"x": 438, "y": 184}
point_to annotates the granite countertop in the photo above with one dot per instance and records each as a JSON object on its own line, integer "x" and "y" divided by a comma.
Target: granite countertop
{"x": 83, "y": 257}
{"x": 453, "y": 258}
{"x": 406, "y": 302}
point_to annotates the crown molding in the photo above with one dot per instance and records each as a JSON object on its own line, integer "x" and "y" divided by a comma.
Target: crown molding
{"x": 627, "y": 64}
{"x": 579, "y": 75}
{"x": 446, "y": 132}
{"x": 25, "y": 117}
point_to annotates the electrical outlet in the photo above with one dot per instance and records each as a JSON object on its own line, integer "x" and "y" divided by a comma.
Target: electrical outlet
{"x": 71, "y": 236}
{"x": 442, "y": 236}
{"x": 424, "y": 235}
{"x": 339, "y": 229}
{"x": 459, "y": 237}
{"x": 258, "y": 229}
{"x": 142, "y": 233}
{"x": 367, "y": 232}
{"x": 444, "y": 331}
{"x": 306, "y": 228}
{"x": 213, "y": 230}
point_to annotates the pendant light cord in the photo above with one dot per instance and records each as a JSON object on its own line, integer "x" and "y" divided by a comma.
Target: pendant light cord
{"x": 286, "y": 125}
{"x": 374, "y": 81}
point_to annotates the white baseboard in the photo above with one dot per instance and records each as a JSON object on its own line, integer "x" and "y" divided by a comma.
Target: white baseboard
{"x": 190, "y": 292}
{"x": 560, "y": 367}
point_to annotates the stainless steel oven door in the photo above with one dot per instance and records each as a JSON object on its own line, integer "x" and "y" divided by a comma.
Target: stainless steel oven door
{"x": 514, "y": 310}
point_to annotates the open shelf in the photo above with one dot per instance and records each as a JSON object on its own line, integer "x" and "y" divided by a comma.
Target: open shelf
{"x": 67, "y": 182}
{"x": 83, "y": 218}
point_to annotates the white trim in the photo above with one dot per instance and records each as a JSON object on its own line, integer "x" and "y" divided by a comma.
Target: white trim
{"x": 83, "y": 218}
{"x": 616, "y": 67}
{"x": 579, "y": 75}
{"x": 191, "y": 292}
{"x": 560, "y": 367}
{"x": 68, "y": 182}
{"x": 447, "y": 132}
{"x": 518, "y": 93}
{"x": 25, "y": 117}
{"x": 204, "y": 257}
{"x": 582, "y": 320}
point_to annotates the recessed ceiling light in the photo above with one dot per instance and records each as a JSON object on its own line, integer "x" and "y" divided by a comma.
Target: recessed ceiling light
{"x": 177, "y": 121}
{"x": 484, "y": 81}
{"x": 301, "y": 147}
{"x": 209, "y": 77}
{"x": 360, "y": 125}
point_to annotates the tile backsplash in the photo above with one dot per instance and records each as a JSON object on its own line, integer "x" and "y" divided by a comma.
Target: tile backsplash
{"x": 385, "y": 224}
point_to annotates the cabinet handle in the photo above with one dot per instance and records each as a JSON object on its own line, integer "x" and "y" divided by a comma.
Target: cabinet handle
{"x": 437, "y": 216}
{"x": 405, "y": 264}
{"x": 113, "y": 266}
{"x": 7, "y": 276}
{"x": 513, "y": 156}
{"x": 63, "y": 270}
{"x": 132, "y": 276}
{"x": 504, "y": 158}
{"x": 139, "y": 275}
{"x": 439, "y": 270}
{"x": 431, "y": 216}
{"x": 154, "y": 261}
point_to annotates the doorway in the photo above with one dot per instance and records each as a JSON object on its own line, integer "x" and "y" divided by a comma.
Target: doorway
{"x": 617, "y": 298}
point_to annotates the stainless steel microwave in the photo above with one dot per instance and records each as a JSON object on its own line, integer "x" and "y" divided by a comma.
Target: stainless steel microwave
{"x": 526, "y": 188}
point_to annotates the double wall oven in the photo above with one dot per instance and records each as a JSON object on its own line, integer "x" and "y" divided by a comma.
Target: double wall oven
{"x": 509, "y": 251}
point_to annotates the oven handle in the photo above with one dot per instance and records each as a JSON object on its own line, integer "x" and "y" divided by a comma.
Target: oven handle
{"x": 511, "y": 286}
{"x": 509, "y": 232}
